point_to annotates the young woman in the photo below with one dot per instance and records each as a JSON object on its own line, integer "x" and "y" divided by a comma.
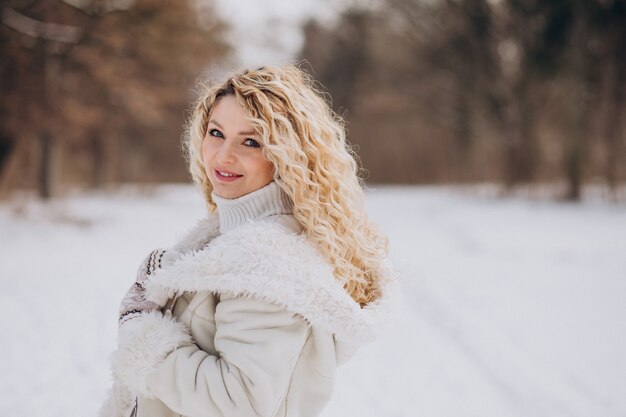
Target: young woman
{"x": 251, "y": 313}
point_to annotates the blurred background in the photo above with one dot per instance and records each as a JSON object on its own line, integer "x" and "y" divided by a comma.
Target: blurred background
{"x": 493, "y": 141}
{"x": 93, "y": 92}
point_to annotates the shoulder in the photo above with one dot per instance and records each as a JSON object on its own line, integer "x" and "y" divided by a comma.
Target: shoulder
{"x": 274, "y": 262}
{"x": 208, "y": 228}
{"x": 272, "y": 250}
{"x": 200, "y": 234}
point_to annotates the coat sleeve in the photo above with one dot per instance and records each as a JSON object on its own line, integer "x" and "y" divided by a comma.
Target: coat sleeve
{"x": 258, "y": 345}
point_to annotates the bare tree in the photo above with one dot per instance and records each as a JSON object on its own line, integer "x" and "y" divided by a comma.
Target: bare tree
{"x": 104, "y": 88}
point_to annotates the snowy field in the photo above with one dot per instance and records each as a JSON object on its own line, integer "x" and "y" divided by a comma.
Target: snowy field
{"x": 509, "y": 307}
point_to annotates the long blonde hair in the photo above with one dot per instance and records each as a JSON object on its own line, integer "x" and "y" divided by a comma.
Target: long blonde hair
{"x": 313, "y": 164}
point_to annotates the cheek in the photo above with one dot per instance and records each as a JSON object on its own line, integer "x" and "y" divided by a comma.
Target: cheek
{"x": 269, "y": 170}
{"x": 206, "y": 150}
{"x": 262, "y": 169}
{"x": 267, "y": 173}
{"x": 207, "y": 157}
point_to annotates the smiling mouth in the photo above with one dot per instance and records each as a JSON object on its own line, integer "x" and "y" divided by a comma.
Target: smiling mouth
{"x": 226, "y": 176}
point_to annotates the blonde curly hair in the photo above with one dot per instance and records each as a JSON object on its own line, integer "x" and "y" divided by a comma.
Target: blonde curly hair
{"x": 313, "y": 164}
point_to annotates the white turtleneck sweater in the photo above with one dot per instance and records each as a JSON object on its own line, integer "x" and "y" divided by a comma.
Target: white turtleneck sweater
{"x": 266, "y": 203}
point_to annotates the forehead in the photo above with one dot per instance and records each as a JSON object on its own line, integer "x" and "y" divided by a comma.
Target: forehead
{"x": 229, "y": 114}
{"x": 228, "y": 110}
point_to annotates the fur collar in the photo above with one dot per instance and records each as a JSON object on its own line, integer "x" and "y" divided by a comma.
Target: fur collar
{"x": 267, "y": 260}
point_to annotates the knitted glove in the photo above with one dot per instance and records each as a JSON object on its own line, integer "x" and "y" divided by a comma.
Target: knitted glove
{"x": 157, "y": 259}
{"x": 134, "y": 303}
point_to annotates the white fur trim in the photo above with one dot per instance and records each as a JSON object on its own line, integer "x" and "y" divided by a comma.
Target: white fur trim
{"x": 119, "y": 402}
{"x": 143, "y": 343}
{"x": 267, "y": 261}
{"x": 205, "y": 230}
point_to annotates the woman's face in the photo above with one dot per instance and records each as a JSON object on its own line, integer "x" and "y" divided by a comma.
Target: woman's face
{"x": 231, "y": 151}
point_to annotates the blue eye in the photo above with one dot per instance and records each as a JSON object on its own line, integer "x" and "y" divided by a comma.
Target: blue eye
{"x": 216, "y": 133}
{"x": 252, "y": 143}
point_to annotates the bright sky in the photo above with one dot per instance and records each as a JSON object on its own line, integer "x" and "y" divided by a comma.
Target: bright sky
{"x": 268, "y": 31}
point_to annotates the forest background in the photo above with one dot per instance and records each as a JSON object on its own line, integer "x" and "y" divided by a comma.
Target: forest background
{"x": 93, "y": 93}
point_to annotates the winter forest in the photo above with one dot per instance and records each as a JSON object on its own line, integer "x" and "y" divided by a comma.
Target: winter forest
{"x": 491, "y": 138}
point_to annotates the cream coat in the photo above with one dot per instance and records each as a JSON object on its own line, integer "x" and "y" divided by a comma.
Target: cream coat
{"x": 259, "y": 329}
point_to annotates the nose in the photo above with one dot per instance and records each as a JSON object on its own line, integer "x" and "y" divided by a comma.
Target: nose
{"x": 226, "y": 153}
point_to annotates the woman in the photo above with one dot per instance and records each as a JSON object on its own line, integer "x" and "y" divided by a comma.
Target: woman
{"x": 251, "y": 313}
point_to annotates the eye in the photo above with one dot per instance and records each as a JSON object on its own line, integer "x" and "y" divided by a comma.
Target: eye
{"x": 215, "y": 133}
{"x": 252, "y": 143}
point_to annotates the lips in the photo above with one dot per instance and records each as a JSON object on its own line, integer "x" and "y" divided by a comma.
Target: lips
{"x": 226, "y": 176}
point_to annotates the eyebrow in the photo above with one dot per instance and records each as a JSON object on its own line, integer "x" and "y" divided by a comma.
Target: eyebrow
{"x": 249, "y": 132}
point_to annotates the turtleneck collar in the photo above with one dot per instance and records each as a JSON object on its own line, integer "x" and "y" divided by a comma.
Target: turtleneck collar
{"x": 267, "y": 201}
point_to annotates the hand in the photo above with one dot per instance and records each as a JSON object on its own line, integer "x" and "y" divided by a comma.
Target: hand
{"x": 157, "y": 259}
{"x": 134, "y": 303}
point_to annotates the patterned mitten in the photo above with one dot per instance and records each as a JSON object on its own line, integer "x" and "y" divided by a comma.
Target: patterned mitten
{"x": 135, "y": 303}
{"x": 157, "y": 259}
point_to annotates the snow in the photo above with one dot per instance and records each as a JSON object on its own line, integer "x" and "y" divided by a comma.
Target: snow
{"x": 509, "y": 307}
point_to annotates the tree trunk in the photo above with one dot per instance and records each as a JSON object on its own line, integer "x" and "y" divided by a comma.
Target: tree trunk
{"x": 517, "y": 149}
{"x": 9, "y": 166}
{"x": 585, "y": 84}
{"x": 614, "y": 127}
{"x": 46, "y": 170}
{"x": 98, "y": 166}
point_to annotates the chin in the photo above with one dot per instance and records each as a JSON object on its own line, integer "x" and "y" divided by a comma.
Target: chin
{"x": 226, "y": 192}
{"x": 223, "y": 193}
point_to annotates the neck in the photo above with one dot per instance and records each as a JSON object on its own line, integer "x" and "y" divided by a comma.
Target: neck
{"x": 267, "y": 201}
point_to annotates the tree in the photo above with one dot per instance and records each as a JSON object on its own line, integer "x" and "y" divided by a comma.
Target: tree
{"x": 111, "y": 101}
{"x": 463, "y": 90}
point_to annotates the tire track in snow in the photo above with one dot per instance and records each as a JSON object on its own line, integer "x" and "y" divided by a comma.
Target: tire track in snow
{"x": 527, "y": 396}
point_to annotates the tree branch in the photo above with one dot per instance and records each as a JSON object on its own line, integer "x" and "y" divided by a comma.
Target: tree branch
{"x": 40, "y": 30}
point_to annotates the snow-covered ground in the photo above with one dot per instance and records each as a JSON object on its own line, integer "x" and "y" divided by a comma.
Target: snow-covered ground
{"x": 509, "y": 307}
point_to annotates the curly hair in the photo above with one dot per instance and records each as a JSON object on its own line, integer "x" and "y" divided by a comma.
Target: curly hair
{"x": 313, "y": 164}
